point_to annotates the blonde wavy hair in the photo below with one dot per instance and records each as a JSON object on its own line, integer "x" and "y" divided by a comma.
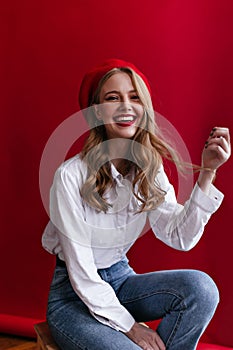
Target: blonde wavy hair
{"x": 144, "y": 157}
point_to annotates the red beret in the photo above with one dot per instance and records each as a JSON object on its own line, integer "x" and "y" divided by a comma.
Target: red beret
{"x": 91, "y": 79}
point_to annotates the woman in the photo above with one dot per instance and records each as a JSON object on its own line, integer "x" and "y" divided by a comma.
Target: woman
{"x": 100, "y": 201}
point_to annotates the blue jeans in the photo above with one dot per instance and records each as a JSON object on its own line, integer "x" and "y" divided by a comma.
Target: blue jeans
{"x": 185, "y": 300}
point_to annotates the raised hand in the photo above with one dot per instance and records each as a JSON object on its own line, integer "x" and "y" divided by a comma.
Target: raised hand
{"x": 217, "y": 148}
{"x": 216, "y": 152}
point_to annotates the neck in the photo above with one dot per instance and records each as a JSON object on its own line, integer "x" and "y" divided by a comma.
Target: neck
{"x": 118, "y": 150}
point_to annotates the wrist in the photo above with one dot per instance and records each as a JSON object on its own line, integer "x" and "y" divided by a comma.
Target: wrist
{"x": 208, "y": 173}
{"x": 206, "y": 178}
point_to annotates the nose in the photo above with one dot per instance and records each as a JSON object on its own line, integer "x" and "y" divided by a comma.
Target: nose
{"x": 125, "y": 104}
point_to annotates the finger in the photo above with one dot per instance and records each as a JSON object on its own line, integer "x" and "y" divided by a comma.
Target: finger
{"x": 149, "y": 344}
{"x": 145, "y": 346}
{"x": 214, "y": 157}
{"x": 159, "y": 342}
{"x": 217, "y": 152}
{"x": 218, "y": 141}
{"x": 219, "y": 131}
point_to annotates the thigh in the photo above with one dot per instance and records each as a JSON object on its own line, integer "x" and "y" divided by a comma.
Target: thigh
{"x": 151, "y": 296}
{"x": 73, "y": 328}
{"x": 72, "y": 325}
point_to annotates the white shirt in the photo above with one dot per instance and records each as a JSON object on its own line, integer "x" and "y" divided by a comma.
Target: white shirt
{"x": 88, "y": 239}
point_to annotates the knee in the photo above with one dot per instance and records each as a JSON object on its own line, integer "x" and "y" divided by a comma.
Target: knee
{"x": 205, "y": 292}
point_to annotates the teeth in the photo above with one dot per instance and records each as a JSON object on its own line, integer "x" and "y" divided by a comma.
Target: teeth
{"x": 125, "y": 119}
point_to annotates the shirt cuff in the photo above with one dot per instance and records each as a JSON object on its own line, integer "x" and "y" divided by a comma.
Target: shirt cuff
{"x": 124, "y": 323}
{"x": 208, "y": 202}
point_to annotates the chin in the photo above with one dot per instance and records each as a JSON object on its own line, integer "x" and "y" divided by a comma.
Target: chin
{"x": 125, "y": 133}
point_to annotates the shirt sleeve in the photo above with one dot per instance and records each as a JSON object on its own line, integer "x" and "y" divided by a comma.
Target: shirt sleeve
{"x": 181, "y": 226}
{"x": 67, "y": 215}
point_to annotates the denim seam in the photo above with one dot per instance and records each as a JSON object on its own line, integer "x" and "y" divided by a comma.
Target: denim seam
{"x": 172, "y": 292}
{"x": 175, "y": 328}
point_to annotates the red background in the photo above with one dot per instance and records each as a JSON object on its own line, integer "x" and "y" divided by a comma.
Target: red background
{"x": 186, "y": 50}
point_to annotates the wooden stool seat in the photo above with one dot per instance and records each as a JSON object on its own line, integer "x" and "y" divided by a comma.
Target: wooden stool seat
{"x": 44, "y": 338}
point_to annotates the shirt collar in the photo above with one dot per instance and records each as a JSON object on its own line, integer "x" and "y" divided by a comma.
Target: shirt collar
{"x": 116, "y": 175}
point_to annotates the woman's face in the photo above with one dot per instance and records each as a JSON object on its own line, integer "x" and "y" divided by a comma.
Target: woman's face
{"x": 120, "y": 108}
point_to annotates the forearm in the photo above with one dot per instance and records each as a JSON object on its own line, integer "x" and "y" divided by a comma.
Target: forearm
{"x": 181, "y": 227}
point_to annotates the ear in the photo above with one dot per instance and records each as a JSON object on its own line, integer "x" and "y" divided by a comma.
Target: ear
{"x": 97, "y": 111}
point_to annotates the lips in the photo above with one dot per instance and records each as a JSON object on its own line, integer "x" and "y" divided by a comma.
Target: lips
{"x": 125, "y": 119}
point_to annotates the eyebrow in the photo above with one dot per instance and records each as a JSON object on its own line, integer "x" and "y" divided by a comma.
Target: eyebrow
{"x": 116, "y": 92}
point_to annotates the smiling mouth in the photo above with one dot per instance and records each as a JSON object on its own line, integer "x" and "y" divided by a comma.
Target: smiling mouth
{"x": 125, "y": 120}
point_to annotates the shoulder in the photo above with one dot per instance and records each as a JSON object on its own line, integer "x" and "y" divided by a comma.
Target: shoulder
{"x": 73, "y": 169}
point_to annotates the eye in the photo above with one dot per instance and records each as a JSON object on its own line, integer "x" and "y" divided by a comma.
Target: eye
{"x": 135, "y": 97}
{"x": 111, "y": 98}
